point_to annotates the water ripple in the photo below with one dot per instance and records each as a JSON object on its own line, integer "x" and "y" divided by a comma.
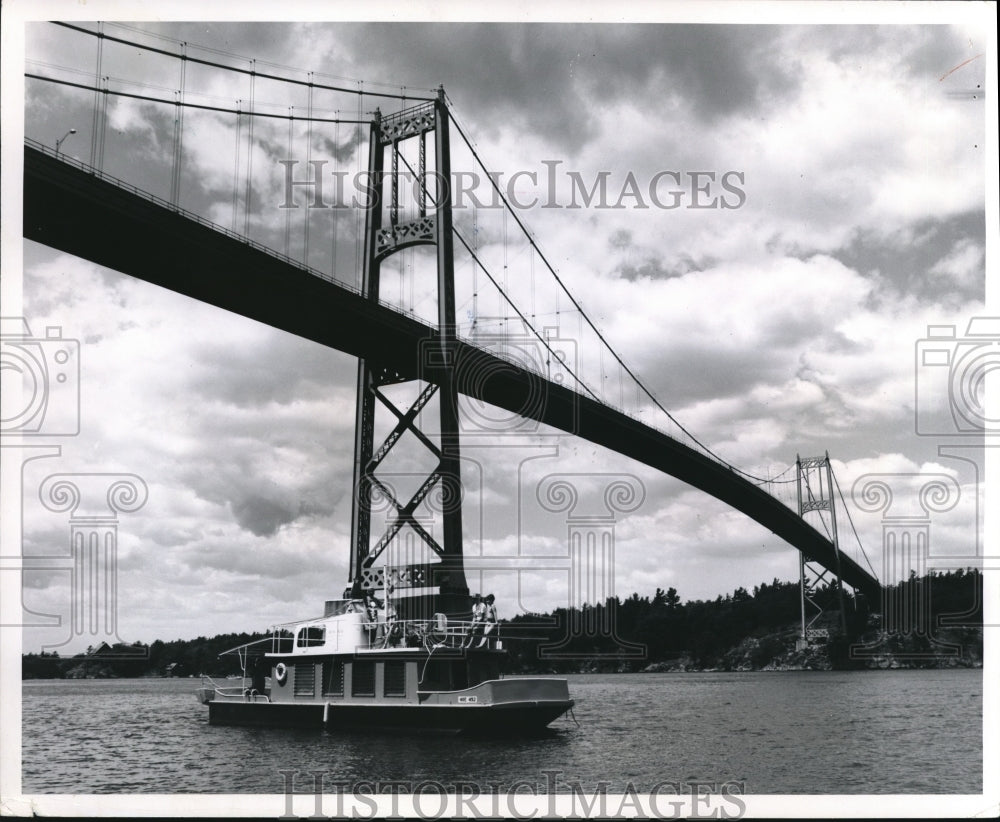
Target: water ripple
{"x": 797, "y": 732}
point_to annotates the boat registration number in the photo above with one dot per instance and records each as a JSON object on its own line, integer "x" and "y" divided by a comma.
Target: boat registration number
{"x": 465, "y": 700}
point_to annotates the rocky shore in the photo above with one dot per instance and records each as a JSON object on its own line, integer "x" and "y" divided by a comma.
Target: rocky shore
{"x": 949, "y": 648}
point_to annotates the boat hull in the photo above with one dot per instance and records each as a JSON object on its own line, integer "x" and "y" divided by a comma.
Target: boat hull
{"x": 508, "y": 718}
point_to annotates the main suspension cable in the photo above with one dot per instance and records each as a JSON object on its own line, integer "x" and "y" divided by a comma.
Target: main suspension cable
{"x": 213, "y": 64}
{"x": 851, "y": 520}
{"x": 220, "y": 109}
{"x": 579, "y": 308}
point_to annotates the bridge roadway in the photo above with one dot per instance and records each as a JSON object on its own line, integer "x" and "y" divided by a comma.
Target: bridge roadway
{"x": 77, "y": 212}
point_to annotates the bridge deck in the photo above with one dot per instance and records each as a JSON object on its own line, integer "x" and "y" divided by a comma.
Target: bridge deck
{"x": 80, "y": 213}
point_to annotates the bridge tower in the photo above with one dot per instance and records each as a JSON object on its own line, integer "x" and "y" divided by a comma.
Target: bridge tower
{"x": 438, "y": 584}
{"x": 814, "y": 481}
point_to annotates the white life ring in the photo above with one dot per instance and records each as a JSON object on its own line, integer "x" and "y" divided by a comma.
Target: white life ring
{"x": 281, "y": 673}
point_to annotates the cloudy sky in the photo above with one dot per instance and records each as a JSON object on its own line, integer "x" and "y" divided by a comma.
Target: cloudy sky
{"x": 840, "y": 172}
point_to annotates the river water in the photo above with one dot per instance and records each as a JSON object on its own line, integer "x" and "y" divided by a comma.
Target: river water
{"x": 863, "y": 732}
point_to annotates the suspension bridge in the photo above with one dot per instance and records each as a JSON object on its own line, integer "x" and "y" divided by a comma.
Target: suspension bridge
{"x": 384, "y": 278}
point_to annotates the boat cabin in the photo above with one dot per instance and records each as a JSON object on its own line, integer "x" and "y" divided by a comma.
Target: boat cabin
{"x": 354, "y": 667}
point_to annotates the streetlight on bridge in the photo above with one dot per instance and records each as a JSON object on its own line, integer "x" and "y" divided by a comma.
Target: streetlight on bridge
{"x": 60, "y": 141}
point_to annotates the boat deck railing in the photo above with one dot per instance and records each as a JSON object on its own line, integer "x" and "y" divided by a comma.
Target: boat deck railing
{"x": 439, "y": 632}
{"x": 382, "y": 634}
{"x": 249, "y": 648}
{"x": 242, "y": 691}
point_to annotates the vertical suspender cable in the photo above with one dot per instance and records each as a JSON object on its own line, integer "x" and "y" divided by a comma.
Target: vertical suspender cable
{"x": 175, "y": 186}
{"x": 531, "y": 261}
{"x": 97, "y": 96}
{"x": 402, "y": 283}
{"x": 358, "y": 239}
{"x": 406, "y": 263}
{"x": 600, "y": 360}
{"x": 308, "y": 213}
{"x": 288, "y": 211}
{"x": 236, "y": 162}
{"x": 503, "y": 306}
{"x": 336, "y": 200}
{"x": 173, "y": 166}
{"x": 475, "y": 271}
{"x": 249, "y": 187}
{"x": 180, "y": 135}
{"x": 558, "y": 317}
{"x": 394, "y": 210}
{"x": 104, "y": 124}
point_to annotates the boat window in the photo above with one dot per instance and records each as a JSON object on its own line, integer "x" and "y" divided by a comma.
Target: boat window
{"x": 311, "y": 636}
{"x": 305, "y": 679}
{"x": 333, "y": 677}
{"x": 394, "y": 678}
{"x": 335, "y": 607}
{"x": 363, "y": 678}
{"x": 281, "y": 641}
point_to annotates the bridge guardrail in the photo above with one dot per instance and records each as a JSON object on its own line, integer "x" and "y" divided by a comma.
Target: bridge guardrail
{"x": 117, "y": 181}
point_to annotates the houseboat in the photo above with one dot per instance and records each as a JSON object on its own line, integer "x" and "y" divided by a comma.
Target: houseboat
{"x": 357, "y": 667}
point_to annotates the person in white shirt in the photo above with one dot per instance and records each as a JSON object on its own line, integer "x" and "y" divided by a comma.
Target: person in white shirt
{"x": 490, "y": 620}
{"x": 478, "y": 617}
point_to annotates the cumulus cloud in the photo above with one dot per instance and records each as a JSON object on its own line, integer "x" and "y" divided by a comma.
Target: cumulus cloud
{"x": 786, "y": 324}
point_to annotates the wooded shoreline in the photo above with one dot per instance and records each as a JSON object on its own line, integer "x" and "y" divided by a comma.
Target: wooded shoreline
{"x": 744, "y": 631}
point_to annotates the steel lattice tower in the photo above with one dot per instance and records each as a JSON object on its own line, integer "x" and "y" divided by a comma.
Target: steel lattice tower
{"x": 432, "y": 225}
{"x": 814, "y": 480}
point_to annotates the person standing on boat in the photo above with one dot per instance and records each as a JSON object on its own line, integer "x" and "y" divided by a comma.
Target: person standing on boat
{"x": 371, "y": 614}
{"x": 258, "y": 682}
{"x": 393, "y": 630}
{"x": 478, "y": 616}
{"x": 490, "y": 620}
